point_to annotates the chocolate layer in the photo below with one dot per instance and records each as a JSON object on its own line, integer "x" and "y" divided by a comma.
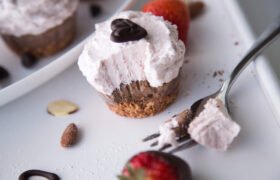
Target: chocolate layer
{"x": 138, "y": 99}
{"x": 44, "y": 44}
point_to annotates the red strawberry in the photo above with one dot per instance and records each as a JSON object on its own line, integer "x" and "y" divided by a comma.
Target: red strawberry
{"x": 153, "y": 165}
{"x": 174, "y": 11}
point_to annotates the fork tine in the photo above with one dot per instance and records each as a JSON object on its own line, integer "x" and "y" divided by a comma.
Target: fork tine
{"x": 164, "y": 147}
{"x": 154, "y": 144}
{"x": 150, "y": 137}
{"x": 180, "y": 140}
{"x": 184, "y": 138}
{"x": 184, "y": 146}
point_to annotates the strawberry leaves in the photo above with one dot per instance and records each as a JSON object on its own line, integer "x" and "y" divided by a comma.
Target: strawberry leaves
{"x": 133, "y": 174}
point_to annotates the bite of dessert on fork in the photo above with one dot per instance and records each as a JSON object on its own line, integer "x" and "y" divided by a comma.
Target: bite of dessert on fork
{"x": 211, "y": 124}
{"x": 212, "y": 128}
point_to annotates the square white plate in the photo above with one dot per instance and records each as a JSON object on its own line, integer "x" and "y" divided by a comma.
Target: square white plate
{"x": 30, "y": 137}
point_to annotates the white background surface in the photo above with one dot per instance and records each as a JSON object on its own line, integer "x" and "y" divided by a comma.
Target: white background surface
{"x": 30, "y": 137}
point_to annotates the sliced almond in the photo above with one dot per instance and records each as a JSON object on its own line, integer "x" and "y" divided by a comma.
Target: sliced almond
{"x": 61, "y": 108}
{"x": 69, "y": 136}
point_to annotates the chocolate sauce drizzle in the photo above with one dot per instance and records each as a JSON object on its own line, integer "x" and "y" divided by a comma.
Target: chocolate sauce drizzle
{"x": 124, "y": 30}
{"x": 27, "y": 174}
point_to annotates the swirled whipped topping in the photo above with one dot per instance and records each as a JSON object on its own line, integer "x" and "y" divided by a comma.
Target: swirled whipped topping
{"x": 213, "y": 127}
{"x": 33, "y": 17}
{"x": 156, "y": 58}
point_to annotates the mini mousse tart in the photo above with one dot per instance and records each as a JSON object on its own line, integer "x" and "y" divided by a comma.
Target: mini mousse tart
{"x": 134, "y": 61}
{"x": 40, "y": 28}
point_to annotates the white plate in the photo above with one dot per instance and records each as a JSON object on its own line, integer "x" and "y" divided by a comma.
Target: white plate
{"x": 251, "y": 23}
{"x": 30, "y": 137}
{"x": 23, "y": 80}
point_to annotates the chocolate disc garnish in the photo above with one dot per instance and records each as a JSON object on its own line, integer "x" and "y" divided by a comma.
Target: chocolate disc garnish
{"x": 124, "y": 30}
{"x": 30, "y": 173}
{"x": 121, "y": 23}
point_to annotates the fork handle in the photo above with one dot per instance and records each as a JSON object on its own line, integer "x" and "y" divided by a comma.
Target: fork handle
{"x": 263, "y": 41}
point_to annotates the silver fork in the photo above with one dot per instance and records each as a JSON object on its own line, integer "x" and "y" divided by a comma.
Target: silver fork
{"x": 263, "y": 41}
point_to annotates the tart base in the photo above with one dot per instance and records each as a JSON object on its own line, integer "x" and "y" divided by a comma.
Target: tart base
{"x": 139, "y": 99}
{"x": 142, "y": 109}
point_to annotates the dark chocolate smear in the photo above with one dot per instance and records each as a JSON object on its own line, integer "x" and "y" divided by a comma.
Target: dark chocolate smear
{"x": 124, "y": 30}
{"x": 27, "y": 174}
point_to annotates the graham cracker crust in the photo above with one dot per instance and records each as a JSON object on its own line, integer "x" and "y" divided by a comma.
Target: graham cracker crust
{"x": 144, "y": 108}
